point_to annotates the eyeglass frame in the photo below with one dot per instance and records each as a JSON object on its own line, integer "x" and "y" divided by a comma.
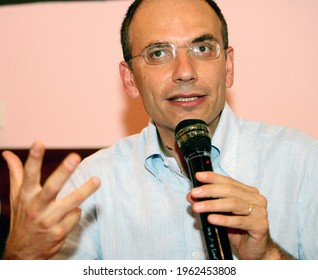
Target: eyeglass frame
{"x": 175, "y": 48}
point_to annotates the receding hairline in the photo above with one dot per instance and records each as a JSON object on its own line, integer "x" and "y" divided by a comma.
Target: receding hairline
{"x": 134, "y": 8}
{"x": 148, "y": 2}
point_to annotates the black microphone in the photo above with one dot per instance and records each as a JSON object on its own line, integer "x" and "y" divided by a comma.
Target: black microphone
{"x": 194, "y": 140}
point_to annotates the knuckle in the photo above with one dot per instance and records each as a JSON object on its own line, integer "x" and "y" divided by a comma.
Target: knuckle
{"x": 58, "y": 233}
{"x": 240, "y": 222}
{"x": 263, "y": 200}
{"x": 263, "y": 213}
{"x": 45, "y": 224}
{"x": 254, "y": 189}
{"x": 49, "y": 189}
{"x": 30, "y": 175}
{"x": 31, "y": 213}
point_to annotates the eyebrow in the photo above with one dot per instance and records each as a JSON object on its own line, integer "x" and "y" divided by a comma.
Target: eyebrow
{"x": 202, "y": 38}
{"x": 156, "y": 44}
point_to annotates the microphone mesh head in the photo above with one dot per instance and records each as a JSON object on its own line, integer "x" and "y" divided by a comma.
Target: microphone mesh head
{"x": 193, "y": 136}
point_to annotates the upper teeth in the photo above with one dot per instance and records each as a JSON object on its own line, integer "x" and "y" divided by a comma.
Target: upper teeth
{"x": 186, "y": 98}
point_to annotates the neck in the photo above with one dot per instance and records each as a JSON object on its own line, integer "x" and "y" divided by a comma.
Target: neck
{"x": 170, "y": 148}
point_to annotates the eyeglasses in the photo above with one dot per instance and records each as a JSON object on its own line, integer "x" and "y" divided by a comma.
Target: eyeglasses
{"x": 162, "y": 53}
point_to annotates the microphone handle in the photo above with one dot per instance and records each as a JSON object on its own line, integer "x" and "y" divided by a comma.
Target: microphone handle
{"x": 215, "y": 237}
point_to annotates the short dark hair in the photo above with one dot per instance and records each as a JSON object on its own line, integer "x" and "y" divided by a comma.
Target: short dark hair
{"x": 124, "y": 32}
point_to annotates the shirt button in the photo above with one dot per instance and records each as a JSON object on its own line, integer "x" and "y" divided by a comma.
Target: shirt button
{"x": 196, "y": 255}
{"x": 165, "y": 163}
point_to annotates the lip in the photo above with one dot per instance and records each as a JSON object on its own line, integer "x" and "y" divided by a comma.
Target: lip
{"x": 187, "y": 100}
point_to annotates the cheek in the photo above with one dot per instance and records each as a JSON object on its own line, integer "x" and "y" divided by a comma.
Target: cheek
{"x": 214, "y": 78}
{"x": 143, "y": 78}
{"x": 151, "y": 83}
{"x": 147, "y": 88}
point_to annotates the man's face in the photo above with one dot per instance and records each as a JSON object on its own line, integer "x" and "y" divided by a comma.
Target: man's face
{"x": 185, "y": 88}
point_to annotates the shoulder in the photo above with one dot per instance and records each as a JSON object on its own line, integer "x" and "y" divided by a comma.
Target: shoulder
{"x": 122, "y": 148}
{"x": 276, "y": 136}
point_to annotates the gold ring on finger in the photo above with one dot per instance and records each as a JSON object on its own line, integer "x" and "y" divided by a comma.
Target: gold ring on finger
{"x": 250, "y": 209}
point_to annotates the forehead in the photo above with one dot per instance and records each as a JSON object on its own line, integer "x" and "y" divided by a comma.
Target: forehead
{"x": 175, "y": 21}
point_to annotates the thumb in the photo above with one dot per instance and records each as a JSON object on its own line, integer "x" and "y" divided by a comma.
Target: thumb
{"x": 15, "y": 172}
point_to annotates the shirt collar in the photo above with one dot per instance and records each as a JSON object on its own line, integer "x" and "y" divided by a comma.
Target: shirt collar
{"x": 152, "y": 142}
{"x": 153, "y": 153}
{"x": 225, "y": 140}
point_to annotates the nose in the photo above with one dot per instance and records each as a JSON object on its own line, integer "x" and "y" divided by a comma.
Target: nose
{"x": 184, "y": 68}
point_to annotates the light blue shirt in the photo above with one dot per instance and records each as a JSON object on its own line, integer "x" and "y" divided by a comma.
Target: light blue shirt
{"x": 141, "y": 211}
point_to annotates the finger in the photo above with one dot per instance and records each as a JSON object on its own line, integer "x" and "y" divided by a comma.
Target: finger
{"x": 214, "y": 178}
{"x": 15, "y": 167}
{"x": 67, "y": 204}
{"x": 75, "y": 198}
{"x": 229, "y": 205}
{"x": 218, "y": 190}
{"x": 32, "y": 167}
{"x": 247, "y": 223}
{"x": 57, "y": 179}
{"x": 190, "y": 198}
{"x": 55, "y": 237}
{"x": 66, "y": 225}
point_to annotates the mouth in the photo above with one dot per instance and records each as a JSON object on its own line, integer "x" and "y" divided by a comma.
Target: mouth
{"x": 184, "y": 99}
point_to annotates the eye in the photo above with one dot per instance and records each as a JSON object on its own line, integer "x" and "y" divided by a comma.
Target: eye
{"x": 205, "y": 50}
{"x": 158, "y": 54}
{"x": 202, "y": 49}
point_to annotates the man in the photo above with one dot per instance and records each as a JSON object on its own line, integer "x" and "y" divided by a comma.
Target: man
{"x": 177, "y": 59}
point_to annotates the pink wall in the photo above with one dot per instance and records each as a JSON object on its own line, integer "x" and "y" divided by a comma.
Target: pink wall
{"x": 59, "y": 79}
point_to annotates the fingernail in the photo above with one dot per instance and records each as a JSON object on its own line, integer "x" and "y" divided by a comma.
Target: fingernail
{"x": 72, "y": 162}
{"x": 196, "y": 191}
{"x": 36, "y": 150}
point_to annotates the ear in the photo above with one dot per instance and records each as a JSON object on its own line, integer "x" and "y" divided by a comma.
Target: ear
{"x": 230, "y": 67}
{"x": 127, "y": 78}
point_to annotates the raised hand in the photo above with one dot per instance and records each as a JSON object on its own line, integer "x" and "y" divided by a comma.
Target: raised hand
{"x": 39, "y": 223}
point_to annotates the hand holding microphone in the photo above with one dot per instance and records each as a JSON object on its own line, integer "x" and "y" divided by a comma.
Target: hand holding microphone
{"x": 193, "y": 138}
{"x": 240, "y": 211}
